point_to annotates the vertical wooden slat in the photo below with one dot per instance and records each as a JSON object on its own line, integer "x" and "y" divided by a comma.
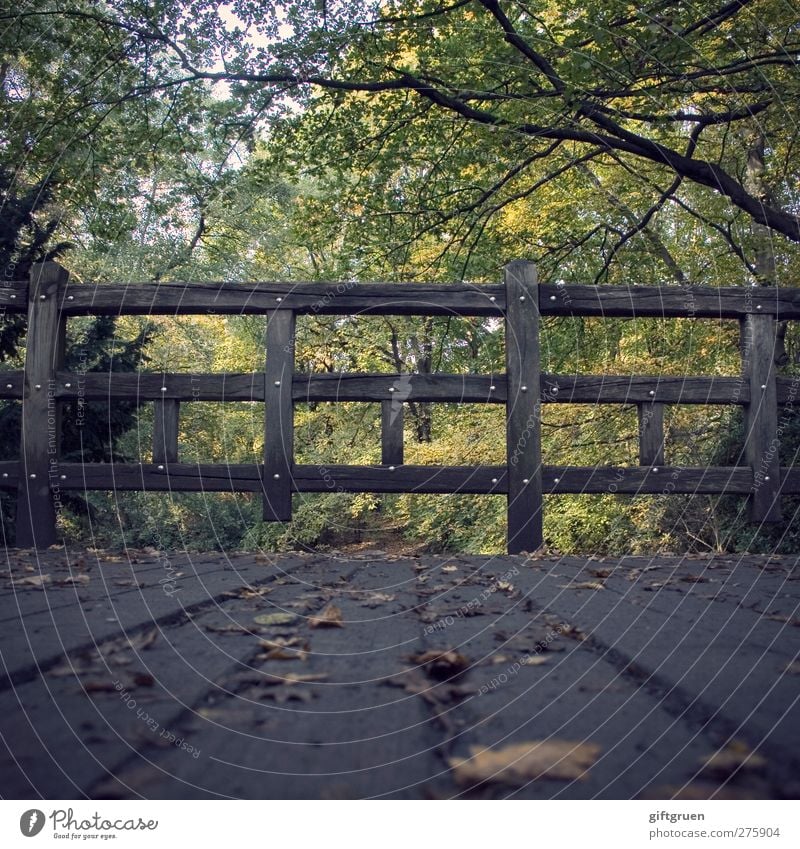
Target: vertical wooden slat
{"x": 392, "y": 417}
{"x": 278, "y": 417}
{"x": 166, "y": 416}
{"x": 761, "y": 417}
{"x": 40, "y": 438}
{"x": 651, "y": 434}
{"x": 523, "y": 409}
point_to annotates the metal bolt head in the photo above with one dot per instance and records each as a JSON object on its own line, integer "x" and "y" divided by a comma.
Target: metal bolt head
{"x": 494, "y": 480}
{"x": 522, "y": 297}
{"x": 63, "y": 477}
{"x": 279, "y": 299}
{"x": 492, "y": 298}
{"x": 763, "y": 385}
{"x": 766, "y": 477}
{"x": 523, "y": 389}
{"x": 652, "y": 392}
{"x": 70, "y": 297}
{"x": 5, "y": 474}
{"x": 525, "y": 481}
{"x": 552, "y": 297}
{"x": 160, "y": 468}
{"x": 42, "y": 297}
{"x": 277, "y": 383}
{"x": 33, "y": 475}
{"x": 655, "y": 470}
{"x": 13, "y": 297}
{"x": 758, "y": 306}
{"x": 9, "y": 386}
{"x": 67, "y": 386}
{"x": 37, "y": 386}
{"x": 556, "y": 480}
{"x": 492, "y": 388}
{"x": 276, "y": 476}
{"x": 391, "y": 468}
{"x": 391, "y": 388}
{"x": 163, "y": 388}
{"x": 555, "y": 390}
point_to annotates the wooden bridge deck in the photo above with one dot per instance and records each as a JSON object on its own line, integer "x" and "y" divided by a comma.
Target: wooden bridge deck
{"x": 142, "y": 676}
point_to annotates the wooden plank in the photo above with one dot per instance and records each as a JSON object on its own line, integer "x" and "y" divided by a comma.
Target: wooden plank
{"x": 421, "y": 479}
{"x": 220, "y": 477}
{"x": 627, "y": 389}
{"x": 9, "y": 474}
{"x": 762, "y": 445}
{"x": 392, "y": 432}
{"x": 13, "y": 296}
{"x": 669, "y": 301}
{"x": 279, "y": 417}
{"x": 343, "y": 298}
{"x": 102, "y": 386}
{"x": 165, "y": 430}
{"x": 646, "y": 480}
{"x": 452, "y": 388}
{"x": 12, "y": 384}
{"x": 44, "y": 350}
{"x": 523, "y": 410}
{"x": 651, "y": 434}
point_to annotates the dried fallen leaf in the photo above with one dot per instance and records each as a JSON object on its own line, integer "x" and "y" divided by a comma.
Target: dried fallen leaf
{"x": 736, "y": 756}
{"x": 441, "y": 663}
{"x": 583, "y": 585}
{"x": 279, "y": 649}
{"x": 34, "y": 581}
{"x": 274, "y": 618}
{"x": 72, "y": 579}
{"x": 449, "y": 568}
{"x": 524, "y": 762}
{"x": 376, "y": 599}
{"x": 329, "y": 617}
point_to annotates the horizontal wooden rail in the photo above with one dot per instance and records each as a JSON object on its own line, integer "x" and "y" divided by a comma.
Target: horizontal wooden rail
{"x": 556, "y": 480}
{"x": 446, "y": 388}
{"x": 348, "y": 298}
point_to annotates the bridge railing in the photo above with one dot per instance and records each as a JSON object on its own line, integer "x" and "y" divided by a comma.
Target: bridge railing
{"x": 49, "y": 298}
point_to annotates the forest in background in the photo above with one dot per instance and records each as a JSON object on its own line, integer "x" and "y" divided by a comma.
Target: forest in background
{"x": 404, "y": 141}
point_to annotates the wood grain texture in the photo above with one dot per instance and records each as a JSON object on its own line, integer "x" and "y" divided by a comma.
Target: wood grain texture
{"x": 165, "y": 430}
{"x": 343, "y": 298}
{"x": 40, "y": 437}
{"x": 279, "y": 417}
{"x": 523, "y": 410}
{"x": 651, "y": 434}
{"x": 392, "y": 418}
{"x": 761, "y": 417}
{"x": 442, "y": 388}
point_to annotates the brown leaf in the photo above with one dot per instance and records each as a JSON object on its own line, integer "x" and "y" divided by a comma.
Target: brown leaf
{"x": 449, "y": 568}
{"x": 143, "y": 679}
{"x": 72, "y": 579}
{"x": 524, "y": 762}
{"x": 329, "y": 617}
{"x": 736, "y": 756}
{"x": 441, "y": 663}
{"x": 583, "y": 585}
{"x": 37, "y": 581}
{"x": 279, "y": 649}
{"x": 377, "y": 599}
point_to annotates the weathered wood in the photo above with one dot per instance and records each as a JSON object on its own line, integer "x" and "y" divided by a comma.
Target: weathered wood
{"x": 345, "y": 298}
{"x": 669, "y": 301}
{"x": 626, "y": 389}
{"x": 219, "y": 477}
{"x": 12, "y": 384}
{"x": 39, "y": 449}
{"x": 651, "y": 434}
{"x": 9, "y": 474}
{"x": 141, "y": 386}
{"x": 646, "y": 480}
{"x": 427, "y": 479}
{"x": 165, "y": 430}
{"x": 523, "y": 410}
{"x": 762, "y": 445}
{"x": 392, "y": 417}
{"x": 278, "y": 417}
{"x": 453, "y": 388}
{"x": 13, "y": 296}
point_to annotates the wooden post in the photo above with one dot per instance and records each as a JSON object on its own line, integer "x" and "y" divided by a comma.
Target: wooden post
{"x": 651, "y": 434}
{"x": 279, "y": 417}
{"x": 762, "y": 445}
{"x": 392, "y": 417}
{"x": 166, "y": 415}
{"x": 523, "y": 408}
{"x": 40, "y": 438}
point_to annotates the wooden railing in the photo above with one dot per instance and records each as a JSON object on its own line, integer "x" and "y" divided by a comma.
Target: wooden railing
{"x": 50, "y": 299}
